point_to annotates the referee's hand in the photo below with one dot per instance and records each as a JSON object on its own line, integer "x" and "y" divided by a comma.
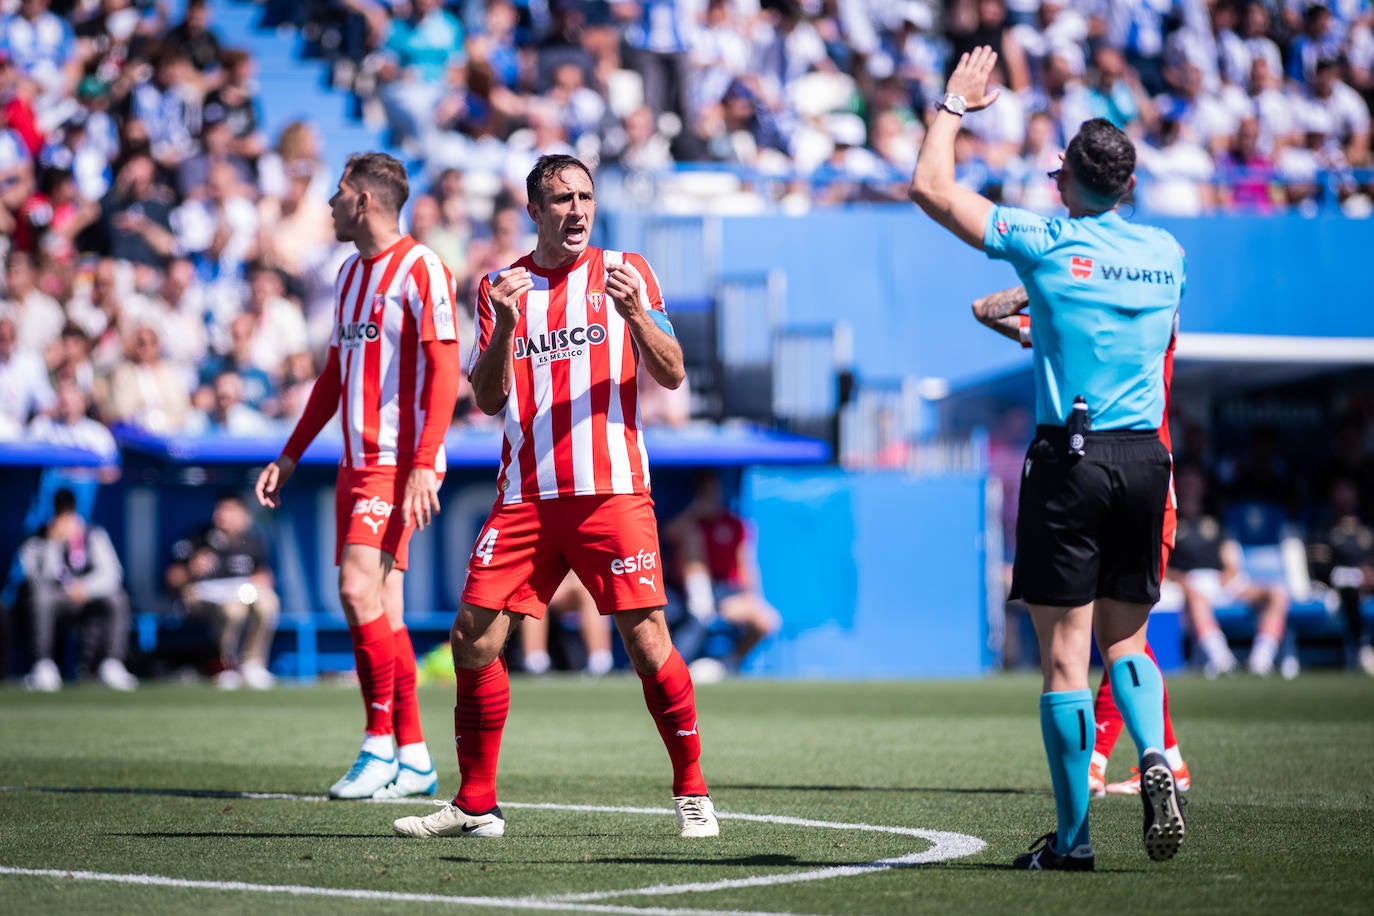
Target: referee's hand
{"x": 970, "y": 78}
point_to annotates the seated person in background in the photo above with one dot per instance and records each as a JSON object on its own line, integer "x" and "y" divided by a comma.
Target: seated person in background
{"x": 659, "y": 406}
{"x": 71, "y": 570}
{"x": 571, "y": 597}
{"x": 221, "y": 573}
{"x": 1209, "y": 564}
{"x": 716, "y": 567}
{"x": 1341, "y": 554}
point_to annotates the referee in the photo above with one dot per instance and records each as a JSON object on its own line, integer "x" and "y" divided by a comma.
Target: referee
{"x": 1103, "y": 297}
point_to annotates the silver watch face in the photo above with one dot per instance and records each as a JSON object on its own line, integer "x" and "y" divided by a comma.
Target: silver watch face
{"x": 954, "y": 104}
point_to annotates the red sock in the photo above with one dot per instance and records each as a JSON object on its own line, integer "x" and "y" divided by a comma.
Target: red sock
{"x": 405, "y": 715}
{"x": 1109, "y": 721}
{"x": 668, "y": 694}
{"x": 1169, "y": 739}
{"x": 374, "y": 652}
{"x": 479, "y": 717}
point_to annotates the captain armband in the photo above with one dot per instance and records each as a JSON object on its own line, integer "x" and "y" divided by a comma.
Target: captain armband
{"x": 1024, "y": 325}
{"x": 660, "y": 319}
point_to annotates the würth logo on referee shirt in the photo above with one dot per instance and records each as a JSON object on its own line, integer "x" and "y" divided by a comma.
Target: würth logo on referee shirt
{"x": 1082, "y": 268}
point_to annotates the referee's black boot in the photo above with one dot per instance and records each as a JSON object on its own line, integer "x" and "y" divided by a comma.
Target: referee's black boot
{"x": 1042, "y": 857}
{"x": 1163, "y": 807}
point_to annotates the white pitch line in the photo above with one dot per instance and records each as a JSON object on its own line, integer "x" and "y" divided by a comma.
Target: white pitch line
{"x": 297, "y": 890}
{"x": 944, "y": 846}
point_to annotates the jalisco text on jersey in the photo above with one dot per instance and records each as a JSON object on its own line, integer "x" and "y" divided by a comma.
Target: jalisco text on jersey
{"x": 557, "y": 339}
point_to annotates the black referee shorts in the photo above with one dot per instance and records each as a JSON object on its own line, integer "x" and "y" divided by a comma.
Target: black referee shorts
{"x": 1091, "y": 527}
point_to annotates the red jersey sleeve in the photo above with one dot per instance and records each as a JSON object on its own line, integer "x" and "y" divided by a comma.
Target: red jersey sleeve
{"x": 319, "y": 408}
{"x": 430, "y": 298}
{"x": 653, "y": 292}
{"x": 440, "y": 397}
{"x": 485, "y": 321}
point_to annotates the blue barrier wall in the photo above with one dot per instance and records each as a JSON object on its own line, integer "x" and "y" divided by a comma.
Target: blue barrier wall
{"x": 905, "y": 285}
{"x": 875, "y": 574}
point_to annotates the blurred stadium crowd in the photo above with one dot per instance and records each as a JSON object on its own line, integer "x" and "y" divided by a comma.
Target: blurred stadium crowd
{"x": 169, "y": 265}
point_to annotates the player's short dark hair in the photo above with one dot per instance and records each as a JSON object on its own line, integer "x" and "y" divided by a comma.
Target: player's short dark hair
{"x": 382, "y": 175}
{"x": 1101, "y": 158}
{"x": 547, "y": 167}
{"x": 63, "y": 502}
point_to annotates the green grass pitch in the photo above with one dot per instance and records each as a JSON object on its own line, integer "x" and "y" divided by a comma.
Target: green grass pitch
{"x": 144, "y": 803}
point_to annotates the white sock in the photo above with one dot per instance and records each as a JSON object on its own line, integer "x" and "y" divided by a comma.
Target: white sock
{"x": 1100, "y": 760}
{"x": 537, "y": 662}
{"x": 1174, "y": 756}
{"x": 600, "y": 662}
{"x": 1262, "y": 653}
{"x": 382, "y": 746}
{"x": 1217, "y": 649}
{"x": 416, "y": 756}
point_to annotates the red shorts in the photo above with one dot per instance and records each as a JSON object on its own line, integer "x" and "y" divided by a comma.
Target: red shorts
{"x": 525, "y": 550}
{"x": 367, "y": 511}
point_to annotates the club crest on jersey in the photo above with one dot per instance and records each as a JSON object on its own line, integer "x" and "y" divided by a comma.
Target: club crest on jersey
{"x": 378, "y": 303}
{"x": 596, "y": 298}
{"x": 559, "y": 343}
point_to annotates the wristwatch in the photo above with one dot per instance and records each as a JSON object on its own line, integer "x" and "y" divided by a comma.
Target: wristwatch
{"x": 954, "y": 104}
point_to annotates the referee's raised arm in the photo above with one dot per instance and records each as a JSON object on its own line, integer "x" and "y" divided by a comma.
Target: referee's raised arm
{"x": 933, "y": 187}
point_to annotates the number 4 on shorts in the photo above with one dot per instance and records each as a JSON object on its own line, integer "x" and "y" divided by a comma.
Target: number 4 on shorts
{"x": 485, "y": 546}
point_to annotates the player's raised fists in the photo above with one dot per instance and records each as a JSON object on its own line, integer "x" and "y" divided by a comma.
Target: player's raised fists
{"x": 623, "y": 284}
{"x": 505, "y": 294}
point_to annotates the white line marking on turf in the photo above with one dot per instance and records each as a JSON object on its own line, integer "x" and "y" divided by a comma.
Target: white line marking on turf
{"x": 296, "y": 890}
{"x": 944, "y": 846}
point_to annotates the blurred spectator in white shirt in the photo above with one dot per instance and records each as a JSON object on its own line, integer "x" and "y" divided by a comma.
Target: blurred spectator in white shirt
{"x": 719, "y": 53}
{"x": 24, "y": 387}
{"x": 165, "y": 299}
{"x": 279, "y": 325}
{"x": 145, "y": 390}
{"x": 37, "y": 316}
{"x": 1206, "y": 116}
{"x": 43, "y": 46}
{"x": 1180, "y": 173}
{"x": 223, "y": 412}
{"x": 97, "y": 306}
{"x": 71, "y": 425}
{"x": 1026, "y": 182}
{"x": 1348, "y": 112}
{"x": 221, "y": 230}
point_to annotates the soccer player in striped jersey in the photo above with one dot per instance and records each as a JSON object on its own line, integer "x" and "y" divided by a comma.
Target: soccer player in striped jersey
{"x": 1004, "y": 313}
{"x": 392, "y": 373}
{"x": 561, "y": 333}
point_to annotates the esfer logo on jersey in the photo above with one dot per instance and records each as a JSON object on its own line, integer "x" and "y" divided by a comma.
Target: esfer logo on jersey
{"x": 374, "y": 511}
{"x": 559, "y": 343}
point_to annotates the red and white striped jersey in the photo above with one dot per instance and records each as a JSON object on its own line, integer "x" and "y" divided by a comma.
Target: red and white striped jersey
{"x": 572, "y": 419}
{"x": 384, "y": 308}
